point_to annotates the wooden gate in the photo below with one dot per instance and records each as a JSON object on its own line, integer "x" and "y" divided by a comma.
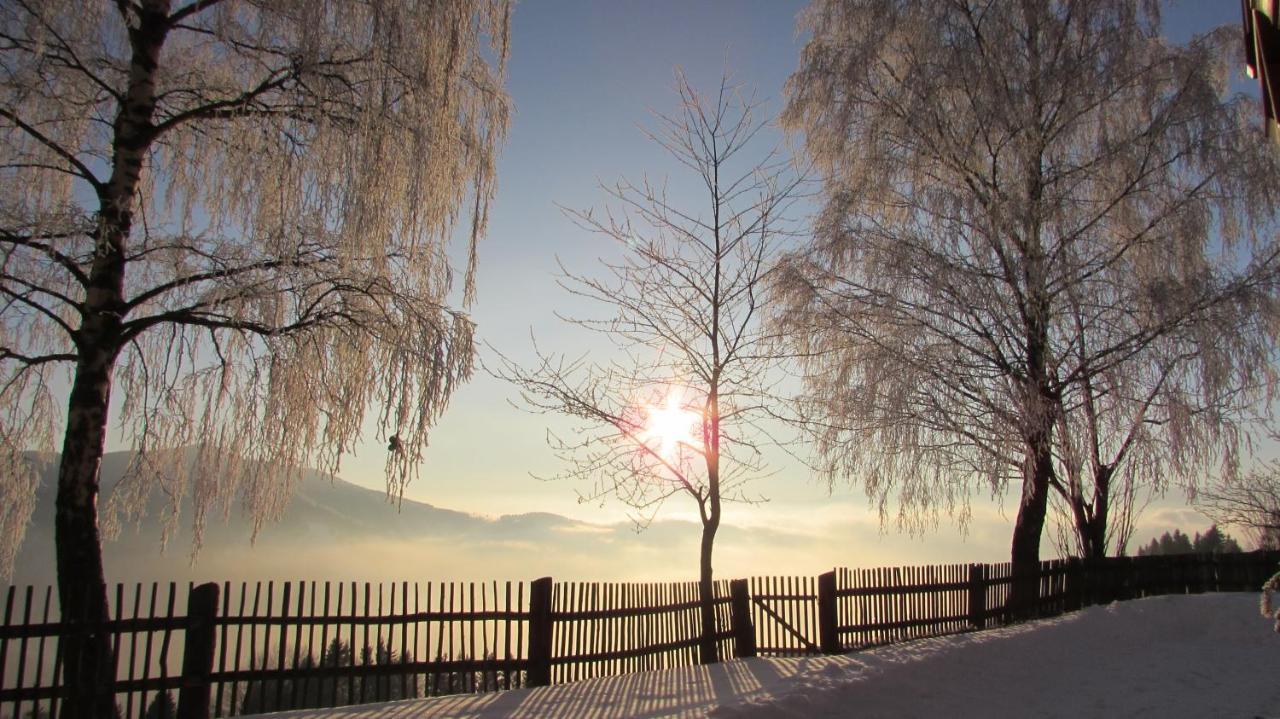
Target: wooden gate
{"x": 785, "y": 612}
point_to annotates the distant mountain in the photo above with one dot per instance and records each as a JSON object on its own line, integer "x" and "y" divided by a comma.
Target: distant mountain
{"x": 319, "y": 503}
{"x": 335, "y": 530}
{"x": 330, "y": 529}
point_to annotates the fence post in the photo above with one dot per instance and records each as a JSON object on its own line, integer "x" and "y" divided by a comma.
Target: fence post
{"x": 828, "y": 637}
{"x": 978, "y": 596}
{"x": 540, "y": 633}
{"x": 197, "y": 652}
{"x": 744, "y": 631}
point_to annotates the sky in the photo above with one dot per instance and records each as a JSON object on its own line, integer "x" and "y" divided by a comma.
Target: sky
{"x": 584, "y": 77}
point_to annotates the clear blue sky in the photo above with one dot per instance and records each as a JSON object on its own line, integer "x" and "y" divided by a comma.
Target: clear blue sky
{"x": 583, "y": 75}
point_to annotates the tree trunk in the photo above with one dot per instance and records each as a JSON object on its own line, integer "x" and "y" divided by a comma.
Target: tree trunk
{"x": 707, "y": 650}
{"x": 1024, "y": 593}
{"x": 1025, "y": 553}
{"x": 88, "y": 667}
{"x": 1091, "y": 532}
{"x": 1090, "y": 527}
{"x": 1090, "y": 520}
{"x": 82, "y": 591}
{"x": 1094, "y": 532}
{"x": 1079, "y": 517}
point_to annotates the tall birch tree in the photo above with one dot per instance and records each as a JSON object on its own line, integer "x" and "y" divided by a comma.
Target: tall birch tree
{"x": 679, "y": 412}
{"x": 1019, "y": 196}
{"x": 233, "y": 219}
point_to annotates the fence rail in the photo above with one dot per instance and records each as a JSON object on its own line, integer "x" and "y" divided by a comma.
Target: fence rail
{"x": 257, "y": 647}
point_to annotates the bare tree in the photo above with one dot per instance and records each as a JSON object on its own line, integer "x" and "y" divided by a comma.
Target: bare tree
{"x": 1251, "y": 502}
{"x": 998, "y": 177}
{"x": 677, "y": 413}
{"x": 239, "y": 213}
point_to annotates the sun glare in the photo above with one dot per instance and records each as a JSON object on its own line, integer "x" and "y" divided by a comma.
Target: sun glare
{"x": 669, "y": 426}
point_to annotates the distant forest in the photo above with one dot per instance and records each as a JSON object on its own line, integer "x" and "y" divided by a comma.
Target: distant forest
{"x": 1213, "y": 541}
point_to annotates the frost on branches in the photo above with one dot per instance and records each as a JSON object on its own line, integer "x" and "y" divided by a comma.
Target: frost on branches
{"x": 232, "y": 219}
{"x": 1272, "y": 585}
{"x": 1046, "y": 258}
{"x": 225, "y": 224}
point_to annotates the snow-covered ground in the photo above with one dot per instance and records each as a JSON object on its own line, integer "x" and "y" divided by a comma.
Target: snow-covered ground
{"x": 1177, "y": 656}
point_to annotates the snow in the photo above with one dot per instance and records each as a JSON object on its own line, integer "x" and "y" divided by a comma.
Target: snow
{"x": 1206, "y": 655}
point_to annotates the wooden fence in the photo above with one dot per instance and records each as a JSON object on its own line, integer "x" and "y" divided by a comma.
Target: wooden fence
{"x": 607, "y": 629}
{"x": 249, "y": 648}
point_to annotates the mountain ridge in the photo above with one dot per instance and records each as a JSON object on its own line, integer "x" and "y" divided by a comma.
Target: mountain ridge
{"x": 332, "y": 529}
{"x": 322, "y": 510}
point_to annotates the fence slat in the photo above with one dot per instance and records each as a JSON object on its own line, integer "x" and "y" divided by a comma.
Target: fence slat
{"x": 404, "y": 636}
{"x": 133, "y": 639}
{"x": 22, "y": 648}
{"x": 418, "y": 653}
{"x": 44, "y": 619}
{"x": 165, "y": 643}
{"x": 297, "y": 642}
{"x": 336, "y": 654}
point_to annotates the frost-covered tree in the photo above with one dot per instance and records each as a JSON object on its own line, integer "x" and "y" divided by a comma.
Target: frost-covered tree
{"x": 679, "y": 412}
{"x": 1269, "y": 587}
{"x": 1174, "y": 412}
{"x": 1026, "y": 204}
{"x": 237, "y": 216}
{"x": 1251, "y": 502}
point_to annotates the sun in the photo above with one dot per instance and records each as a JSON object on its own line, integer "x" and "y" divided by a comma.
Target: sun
{"x": 670, "y": 425}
